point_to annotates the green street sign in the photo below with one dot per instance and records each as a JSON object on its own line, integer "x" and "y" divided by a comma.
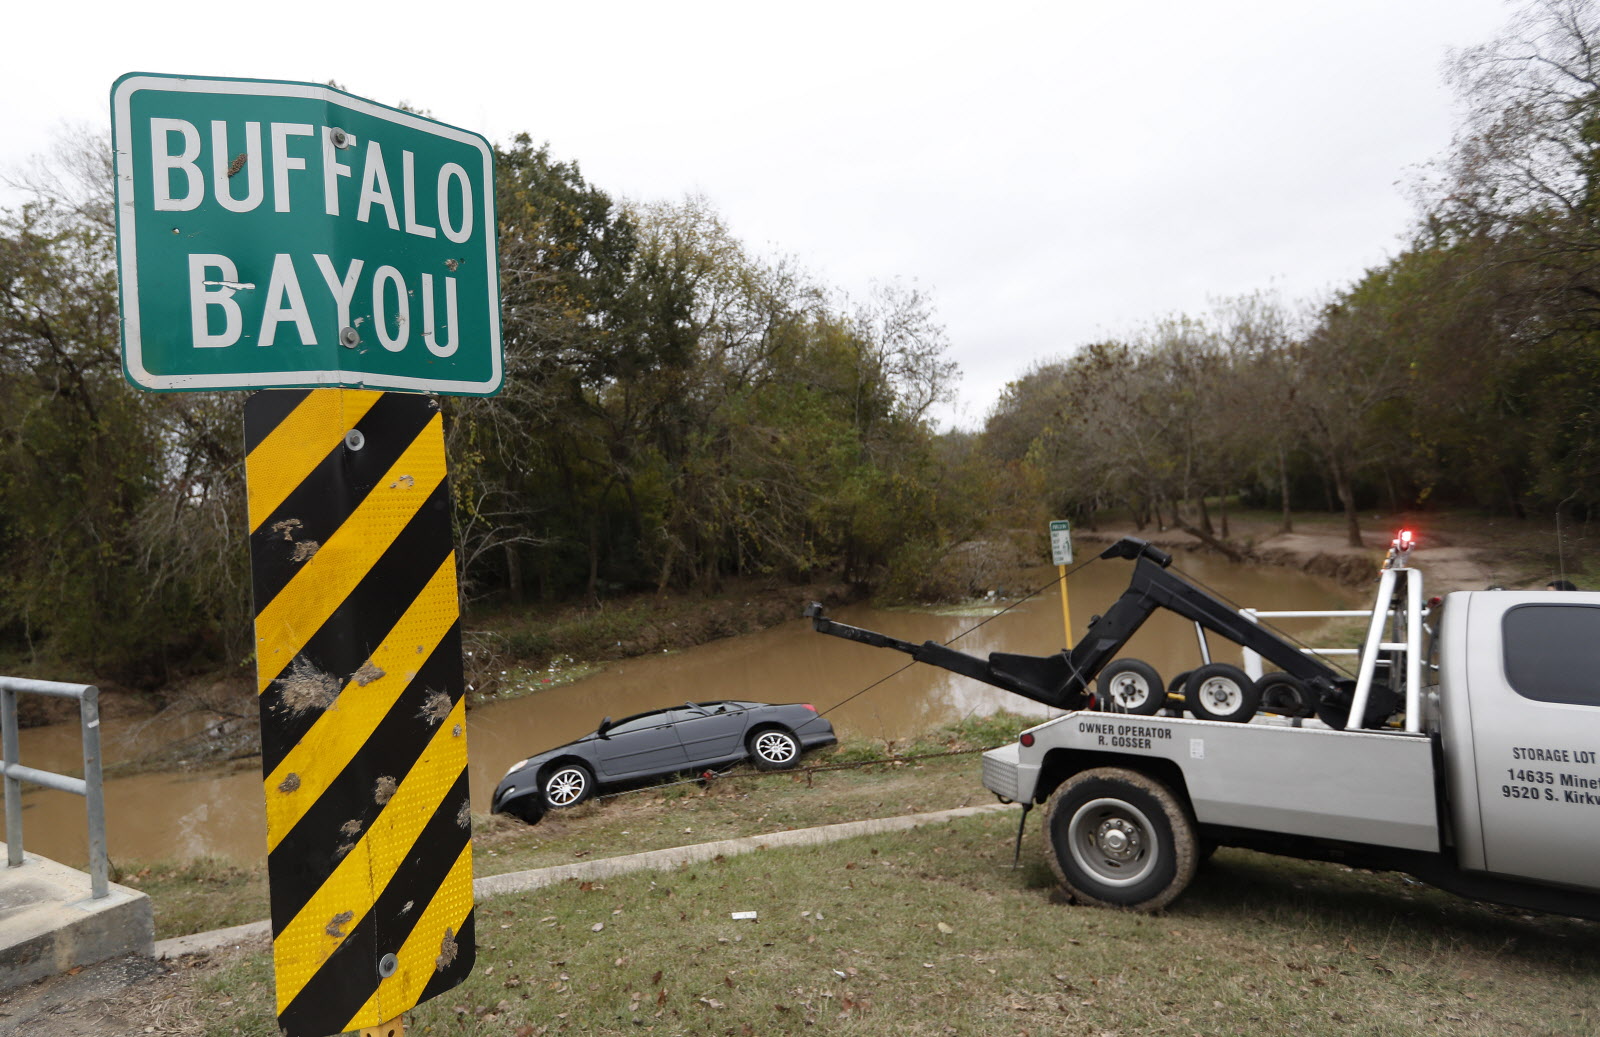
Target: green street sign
{"x": 278, "y": 234}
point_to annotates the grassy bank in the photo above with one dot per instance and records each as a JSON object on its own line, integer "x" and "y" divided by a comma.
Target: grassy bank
{"x": 844, "y": 783}
{"x": 932, "y": 932}
{"x": 928, "y": 932}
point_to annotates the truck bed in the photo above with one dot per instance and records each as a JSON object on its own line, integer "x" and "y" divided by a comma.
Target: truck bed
{"x": 1373, "y": 787}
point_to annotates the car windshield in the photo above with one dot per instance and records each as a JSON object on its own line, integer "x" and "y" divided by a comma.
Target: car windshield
{"x": 639, "y": 723}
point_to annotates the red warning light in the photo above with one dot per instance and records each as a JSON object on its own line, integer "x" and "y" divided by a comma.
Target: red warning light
{"x": 1405, "y": 538}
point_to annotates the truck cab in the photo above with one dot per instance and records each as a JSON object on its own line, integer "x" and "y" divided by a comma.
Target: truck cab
{"x": 1518, "y": 707}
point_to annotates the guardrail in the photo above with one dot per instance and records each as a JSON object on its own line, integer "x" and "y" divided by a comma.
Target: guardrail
{"x": 88, "y": 786}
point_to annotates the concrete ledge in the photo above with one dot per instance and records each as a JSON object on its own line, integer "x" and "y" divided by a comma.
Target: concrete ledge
{"x": 656, "y": 860}
{"x": 257, "y": 935}
{"x": 49, "y": 924}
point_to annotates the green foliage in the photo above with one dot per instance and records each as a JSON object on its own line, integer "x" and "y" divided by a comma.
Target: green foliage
{"x": 677, "y": 411}
{"x": 108, "y": 498}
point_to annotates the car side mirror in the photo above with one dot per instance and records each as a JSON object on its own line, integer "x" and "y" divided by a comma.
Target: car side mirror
{"x": 605, "y": 725}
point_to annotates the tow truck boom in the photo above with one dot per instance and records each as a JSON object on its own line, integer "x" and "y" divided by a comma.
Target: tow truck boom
{"x": 1062, "y": 680}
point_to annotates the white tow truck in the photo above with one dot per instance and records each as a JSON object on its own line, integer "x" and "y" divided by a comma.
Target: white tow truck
{"x": 1465, "y": 752}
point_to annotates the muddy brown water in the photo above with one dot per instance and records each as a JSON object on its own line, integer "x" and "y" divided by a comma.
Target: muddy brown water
{"x": 219, "y": 811}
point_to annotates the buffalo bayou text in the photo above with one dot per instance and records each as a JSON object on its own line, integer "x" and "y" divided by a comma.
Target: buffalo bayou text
{"x": 284, "y": 155}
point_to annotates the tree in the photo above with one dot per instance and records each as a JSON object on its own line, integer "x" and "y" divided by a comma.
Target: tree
{"x": 1352, "y": 368}
{"x": 121, "y": 513}
{"x": 1261, "y": 391}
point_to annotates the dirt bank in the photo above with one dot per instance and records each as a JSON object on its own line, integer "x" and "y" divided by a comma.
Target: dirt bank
{"x": 1453, "y": 552}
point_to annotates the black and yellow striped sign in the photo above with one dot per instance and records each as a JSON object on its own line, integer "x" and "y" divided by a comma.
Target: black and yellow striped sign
{"x": 363, "y": 724}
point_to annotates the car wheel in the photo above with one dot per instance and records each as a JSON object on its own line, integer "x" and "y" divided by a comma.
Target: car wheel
{"x": 774, "y": 749}
{"x": 1131, "y": 686}
{"x": 1119, "y": 838}
{"x": 568, "y": 785}
{"x": 1218, "y": 691}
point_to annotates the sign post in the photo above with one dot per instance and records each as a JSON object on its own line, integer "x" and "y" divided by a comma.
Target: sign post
{"x": 1061, "y": 555}
{"x": 292, "y": 237}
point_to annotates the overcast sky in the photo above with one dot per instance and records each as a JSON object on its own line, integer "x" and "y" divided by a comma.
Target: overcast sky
{"x": 1050, "y": 173}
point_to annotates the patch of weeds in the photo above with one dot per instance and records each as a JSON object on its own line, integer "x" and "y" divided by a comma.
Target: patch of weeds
{"x": 855, "y": 750}
{"x": 964, "y": 735}
{"x": 205, "y": 893}
{"x": 993, "y": 729}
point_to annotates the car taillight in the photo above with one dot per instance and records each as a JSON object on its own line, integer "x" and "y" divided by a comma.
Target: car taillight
{"x": 809, "y": 706}
{"x": 1027, "y": 738}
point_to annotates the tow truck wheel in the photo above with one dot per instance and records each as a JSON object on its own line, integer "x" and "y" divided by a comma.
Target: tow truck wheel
{"x": 1119, "y": 838}
{"x": 1218, "y": 691}
{"x": 1131, "y": 686}
{"x": 1285, "y": 695}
